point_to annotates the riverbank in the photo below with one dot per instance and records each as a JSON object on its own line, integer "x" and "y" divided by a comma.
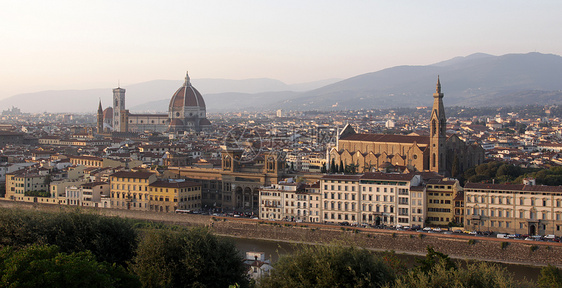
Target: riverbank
{"x": 414, "y": 243}
{"x": 464, "y": 247}
{"x": 275, "y": 249}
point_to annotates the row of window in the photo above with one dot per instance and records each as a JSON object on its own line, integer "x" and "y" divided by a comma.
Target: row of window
{"x": 345, "y": 188}
{"x": 500, "y": 200}
{"x": 435, "y": 201}
{"x": 129, "y": 180}
{"x": 333, "y": 216}
{"x": 346, "y": 196}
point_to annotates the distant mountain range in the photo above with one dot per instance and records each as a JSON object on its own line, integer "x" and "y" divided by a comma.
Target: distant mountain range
{"x": 475, "y": 80}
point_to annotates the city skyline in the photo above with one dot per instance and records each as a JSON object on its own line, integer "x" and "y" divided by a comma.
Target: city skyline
{"x": 70, "y": 45}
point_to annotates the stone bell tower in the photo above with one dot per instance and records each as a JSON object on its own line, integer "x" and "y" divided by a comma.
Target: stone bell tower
{"x": 438, "y": 126}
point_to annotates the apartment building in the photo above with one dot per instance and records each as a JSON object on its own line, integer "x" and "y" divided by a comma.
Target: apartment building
{"x": 440, "y": 200}
{"x": 340, "y": 197}
{"x": 171, "y": 195}
{"x": 20, "y": 182}
{"x": 392, "y": 199}
{"x": 129, "y": 190}
{"x": 290, "y": 201}
{"x": 514, "y": 208}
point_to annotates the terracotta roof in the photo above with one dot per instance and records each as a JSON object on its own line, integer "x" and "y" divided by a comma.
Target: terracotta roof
{"x": 187, "y": 95}
{"x": 513, "y": 187}
{"x": 387, "y": 176}
{"x": 205, "y": 122}
{"x": 459, "y": 197}
{"x": 441, "y": 181}
{"x": 108, "y": 113}
{"x": 129, "y": 174}
{"x": 176, "y": 122}
{"x": 387, "y": 138}
{"x": 341, "y": 177}
{"x": 92, "y": 184}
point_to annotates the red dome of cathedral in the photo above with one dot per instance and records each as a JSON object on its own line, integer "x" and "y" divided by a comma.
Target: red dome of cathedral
{"x": 176, "y": 122}
{"x": 187, "y": 96}
{"x": 108, "y": 113}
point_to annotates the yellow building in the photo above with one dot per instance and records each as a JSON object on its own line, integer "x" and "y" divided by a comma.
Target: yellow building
{"x": 129, "y": 190}
{"x": 20, "y": 182}
{"x": 440, "y": 201}
{"x": 169, "y": 196}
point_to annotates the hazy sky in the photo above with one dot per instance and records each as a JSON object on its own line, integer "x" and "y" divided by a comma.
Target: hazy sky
{"x": 69, "y": 44}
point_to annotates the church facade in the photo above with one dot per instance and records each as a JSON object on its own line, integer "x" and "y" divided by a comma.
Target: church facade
{"x": 437, "y": 152}
{"x": 186, "y": 112}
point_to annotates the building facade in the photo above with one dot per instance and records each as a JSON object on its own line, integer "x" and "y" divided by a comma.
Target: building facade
{"x": 187, "y": 112}
{"x": 374, "y": 199}
{"x": 169, "y": 196}
{"x": 129, "y": 190}
{"x": 513, "y": 208}
{"x": 436, "y": 152}
{"x": 440, "y": 201}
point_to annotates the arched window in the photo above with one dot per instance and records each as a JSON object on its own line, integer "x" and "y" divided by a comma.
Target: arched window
{"x": 433, "y": 127}
{"x": 433, "y": 160}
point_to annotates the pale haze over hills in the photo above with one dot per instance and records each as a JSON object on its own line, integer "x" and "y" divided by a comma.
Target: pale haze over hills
{"x": 475, "y": 80}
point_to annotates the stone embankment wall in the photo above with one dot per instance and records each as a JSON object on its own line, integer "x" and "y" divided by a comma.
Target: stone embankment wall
{"x": 457, "y": 246}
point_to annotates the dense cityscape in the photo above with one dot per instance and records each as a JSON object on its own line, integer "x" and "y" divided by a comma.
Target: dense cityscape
{"x": 373, "y": 169}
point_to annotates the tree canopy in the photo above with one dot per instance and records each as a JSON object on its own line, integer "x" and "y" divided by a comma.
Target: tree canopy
{"x": 110, "y": 239}
{"x": 188, "y": 258}
{"x": 329, "y": 266}
{"x": 45, "y": 266}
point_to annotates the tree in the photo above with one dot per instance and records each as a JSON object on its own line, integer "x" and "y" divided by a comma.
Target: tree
{"x": 455, "y": 168}
{"x": 110, "y": 239}
{"x": 550, "y": 277}
{"x": 188, "y": 258}
{"x": 45, "y": 266}
{"x": 475, "y": 275}
{"x": 342, "y": 168}
{"x": 333, "y": 166}
{"x": 432, "y": 258}
{"x": 329, "y": 266}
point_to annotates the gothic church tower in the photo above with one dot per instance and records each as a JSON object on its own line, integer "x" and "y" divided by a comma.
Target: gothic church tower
{"x": 438, "y": 125}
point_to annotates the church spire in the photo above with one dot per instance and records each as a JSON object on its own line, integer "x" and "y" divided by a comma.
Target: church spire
{"x": 438, "y": 135}
{"x": 100, "y": 109}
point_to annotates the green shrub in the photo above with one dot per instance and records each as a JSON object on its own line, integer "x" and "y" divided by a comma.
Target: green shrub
{"x": 471, "y": 242}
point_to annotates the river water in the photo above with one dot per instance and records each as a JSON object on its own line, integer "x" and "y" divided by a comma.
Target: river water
{"x": 274, "y": 249}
